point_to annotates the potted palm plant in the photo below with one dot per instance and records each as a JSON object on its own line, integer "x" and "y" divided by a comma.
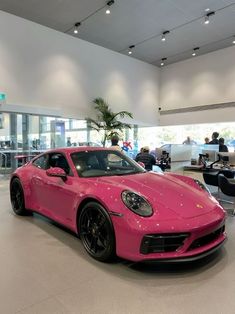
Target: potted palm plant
{"x": 107, "y": 120}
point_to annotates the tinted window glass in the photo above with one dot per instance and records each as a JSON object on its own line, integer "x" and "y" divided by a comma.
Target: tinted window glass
{"x": 59, "y": 160}
{"x": 104, "y": 163}
{"x": 41, "y": 162}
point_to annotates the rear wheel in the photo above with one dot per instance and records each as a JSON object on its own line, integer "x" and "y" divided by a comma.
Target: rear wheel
{"x": 17, "y": 197}
{"x": 96, "y": 232}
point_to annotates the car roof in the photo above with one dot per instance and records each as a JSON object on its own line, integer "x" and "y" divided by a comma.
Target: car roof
{"x": 70, "y": 150}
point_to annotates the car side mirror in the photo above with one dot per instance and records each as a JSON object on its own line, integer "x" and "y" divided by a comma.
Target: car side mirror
{"x": 57, "y": 172}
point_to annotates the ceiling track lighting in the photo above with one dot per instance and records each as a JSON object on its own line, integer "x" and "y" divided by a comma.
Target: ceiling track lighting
{"x": 130, "y": 49}
{"x": 164, "y": 35}
{"x": 109, "y": 3}
{"x": 163, "y": 61}
{"x": 207, "y": 17}
{"x": 195, "y": 51}
{"x": 76, "y": 25}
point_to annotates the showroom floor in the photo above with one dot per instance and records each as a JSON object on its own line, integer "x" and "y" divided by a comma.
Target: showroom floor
{"x": 44, "y": 269}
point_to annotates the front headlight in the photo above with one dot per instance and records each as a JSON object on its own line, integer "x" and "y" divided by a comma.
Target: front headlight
{"x": 202, "y": 186}
{"x": 136, "y": 203}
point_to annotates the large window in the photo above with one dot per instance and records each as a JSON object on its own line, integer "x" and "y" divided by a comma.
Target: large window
{"x": 158, "y": 136}
{"x": 32, "y": 134}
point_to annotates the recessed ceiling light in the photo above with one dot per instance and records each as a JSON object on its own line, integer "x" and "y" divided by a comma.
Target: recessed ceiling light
{"x": 109, "y": 3}
{"x": 207, "y": 21}
{"x": 164, "y": 35}
{"x": 76, "y": 25}
{"x": 207, "y": 9}
{"x": 130, "y": 49}
{"x": 207, "y": 17}
{"x": 163, "y": 62}
{"x": 195, "y": 51}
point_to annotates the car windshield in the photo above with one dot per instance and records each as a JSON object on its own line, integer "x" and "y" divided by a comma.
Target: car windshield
{"x": 100, "y": 163}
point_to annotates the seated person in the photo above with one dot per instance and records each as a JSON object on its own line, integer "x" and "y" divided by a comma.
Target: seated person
{"x": 146, "y": 158}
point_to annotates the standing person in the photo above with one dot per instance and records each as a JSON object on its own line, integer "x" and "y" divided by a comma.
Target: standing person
{"x": 188, "y": 141}
{"x": 222, "y": 147}
{"x": 214, "y": 137}
{"x": 69, "y": 144}
{"x": 146, "y": 158}
{"x": 114, "y": 143}
{"x": 113, "y": 158}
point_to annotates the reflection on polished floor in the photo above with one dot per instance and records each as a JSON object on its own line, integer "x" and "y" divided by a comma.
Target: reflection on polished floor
{"x": 44, "y": 269}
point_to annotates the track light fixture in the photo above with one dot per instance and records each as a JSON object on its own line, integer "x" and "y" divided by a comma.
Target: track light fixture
{"x": 109, "y": 3}
{"x": 195, "y": 51}
{"x": 164, "y": 35}
{"x": 76, "y": 25}
{"x": 130, "y": 49}
{"x": 207, "y": 17}
{"x": 163, "y": 61}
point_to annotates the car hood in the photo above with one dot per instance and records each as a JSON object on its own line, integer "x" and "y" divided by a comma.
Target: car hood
{"x": 166, "y": 193}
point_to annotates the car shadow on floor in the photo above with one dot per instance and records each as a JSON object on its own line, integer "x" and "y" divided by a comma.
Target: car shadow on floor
{"x": 124, "y": 268}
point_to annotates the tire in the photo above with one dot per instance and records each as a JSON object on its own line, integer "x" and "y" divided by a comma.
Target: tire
{"x": 17, "y": 198}
{"x": 96, "y": 232}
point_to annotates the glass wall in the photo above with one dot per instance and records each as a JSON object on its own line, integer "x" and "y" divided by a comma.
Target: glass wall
{"x": 23, "y": 136}
{"x": 27, "y": 135}
{"x": 158, "y": 136}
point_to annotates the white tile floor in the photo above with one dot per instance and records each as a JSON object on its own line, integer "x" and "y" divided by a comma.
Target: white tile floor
{"x": 44, "y": 269}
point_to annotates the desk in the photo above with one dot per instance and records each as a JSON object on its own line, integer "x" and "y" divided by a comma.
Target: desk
{"x": 194, "y": 168}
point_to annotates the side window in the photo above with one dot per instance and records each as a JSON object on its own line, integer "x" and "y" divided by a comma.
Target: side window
{"x": 59, "y": 160}
{"x": 41, "y": 162}
{"x": 114, "y": 159}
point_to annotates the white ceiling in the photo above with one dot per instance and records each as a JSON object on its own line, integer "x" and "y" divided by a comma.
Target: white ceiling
{"x": 138, "y": 22}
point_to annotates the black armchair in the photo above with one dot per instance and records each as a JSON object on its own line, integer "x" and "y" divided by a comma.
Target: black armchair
{"x": 227, "y": 186}
{"x": 211, "y": 178}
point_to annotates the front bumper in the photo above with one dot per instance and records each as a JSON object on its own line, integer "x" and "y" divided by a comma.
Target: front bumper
{"x": 197, "y": 242}
{"x": 190, "y": 258}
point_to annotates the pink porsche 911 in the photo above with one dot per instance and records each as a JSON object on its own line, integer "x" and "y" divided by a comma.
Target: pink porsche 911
{"x": 117, "y": 208}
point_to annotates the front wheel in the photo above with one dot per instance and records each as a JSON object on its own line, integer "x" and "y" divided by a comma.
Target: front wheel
{"x": 17, "y": 197}
{"x": 96, "y": 232}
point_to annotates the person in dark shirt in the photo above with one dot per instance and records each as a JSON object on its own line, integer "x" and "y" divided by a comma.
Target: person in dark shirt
{"x": 222, "y": 147}
{"x": 214, "y": 137}
{"x": 147, "y": 159}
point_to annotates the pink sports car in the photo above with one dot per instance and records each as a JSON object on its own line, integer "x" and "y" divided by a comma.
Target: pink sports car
{"x": 117, "y": 208}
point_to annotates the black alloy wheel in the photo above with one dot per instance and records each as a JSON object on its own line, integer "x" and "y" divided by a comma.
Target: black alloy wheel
{"x": 17, "y": 197}
{"x": 96, "y": 232}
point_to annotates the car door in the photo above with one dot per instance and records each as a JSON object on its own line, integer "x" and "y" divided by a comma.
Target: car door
{"x": 37, "y": 181}
{"x": 58, "y": 197}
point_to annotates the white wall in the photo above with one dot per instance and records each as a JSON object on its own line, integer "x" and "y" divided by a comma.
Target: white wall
{"x": 40, "y": 67}
{"x": 203, "y": 80}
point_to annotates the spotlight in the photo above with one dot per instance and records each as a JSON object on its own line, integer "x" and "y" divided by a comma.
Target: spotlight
{"x": 130, "y": 49}
{"x": 109, "y": 3}
{"x": 164, "y": 35}
{"x": 163, "y": 61}
{"x": 194, "y": 51}
{"x": 76, "y": 25}
{"x": 207, "y": 17}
